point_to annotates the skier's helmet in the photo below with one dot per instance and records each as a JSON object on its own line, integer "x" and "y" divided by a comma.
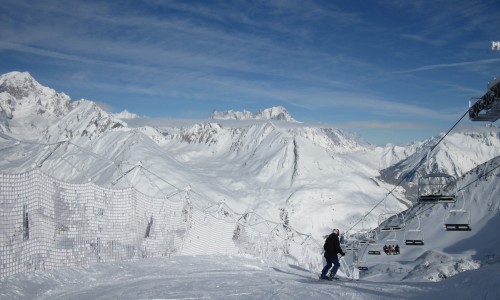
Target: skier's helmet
{"x": 336, "y": 231}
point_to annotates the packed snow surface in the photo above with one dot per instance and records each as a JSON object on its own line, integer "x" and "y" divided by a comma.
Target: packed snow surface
{"x": 233, "y": 277}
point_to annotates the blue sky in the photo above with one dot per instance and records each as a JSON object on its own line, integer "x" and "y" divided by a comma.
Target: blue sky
{"x": 392, "y": 71}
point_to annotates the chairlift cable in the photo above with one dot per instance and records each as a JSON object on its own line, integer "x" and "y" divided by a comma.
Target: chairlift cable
{"x": 459, "y": 190}
{"x": 410, "y": 172}
{"x": 452, "y": 127}
{"x": 417, "y": 214}
{"x": 479, "y": 177}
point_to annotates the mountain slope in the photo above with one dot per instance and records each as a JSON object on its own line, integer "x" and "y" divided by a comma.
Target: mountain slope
{"x": 262, "y": 166}
{"x": 28, "y": 106}
{"x": 270, "y": 165}
{"x": 446, "y": 253}
{"x": 318, "y": 177}
{"x": 458, "y": 153}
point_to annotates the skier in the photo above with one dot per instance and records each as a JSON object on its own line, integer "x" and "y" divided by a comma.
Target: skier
{"x": 332, "y": 249}
{"x": 396, "y": 249}
{"x": 386, "y": 250}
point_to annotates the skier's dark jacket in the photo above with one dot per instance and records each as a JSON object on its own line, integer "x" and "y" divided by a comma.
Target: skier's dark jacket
{"x": 332, "y": 247}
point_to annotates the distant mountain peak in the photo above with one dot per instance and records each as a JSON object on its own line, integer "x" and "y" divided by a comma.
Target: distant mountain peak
{"x": 16, "y": 76}
{"x": 18, "y": 84}
{"x": 274, "y": 113}
{"x": 24, "y": 99}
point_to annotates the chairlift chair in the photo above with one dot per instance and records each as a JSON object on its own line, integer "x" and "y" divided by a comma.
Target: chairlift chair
{"x": 349, "y": 241}
{"x": 374, "y": 249}
{"x": 414, "y": 236}
{"x": 367, "y": 237}
{"x": 457, "y": 219}
{"x": 391, "y": 221}
{"x": 362, "y": 264}
{"x": 352, "y": 245}
{"x": 436, "y": 188}
{"x": 393, "y": 238}
{"x": 361, "y": 236}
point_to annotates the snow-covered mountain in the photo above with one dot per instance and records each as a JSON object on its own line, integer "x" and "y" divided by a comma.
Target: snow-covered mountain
{"x": 286, "y": 163}
{"x": 266, "y": 153}
{"x": 85, "y": 122}
{"x": 28, "y": 107}
{"x": 455, "y": 155}
{"x": 278, "y": 113}
{"x": 445, "y": 253}
{"x": 323, "y": 177}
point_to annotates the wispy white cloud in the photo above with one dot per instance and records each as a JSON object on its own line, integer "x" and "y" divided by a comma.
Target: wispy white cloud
{"x": 46, "y": 53}
{"x": 450, "y": 65}
{"x": 204, "y": 43}
{"x": 290, "y": 52}
{"x": 385, "y": 125}
{"x": 441, "y": 24}
{"x": 420, "y": 38}
{"x": 311, "y": 97}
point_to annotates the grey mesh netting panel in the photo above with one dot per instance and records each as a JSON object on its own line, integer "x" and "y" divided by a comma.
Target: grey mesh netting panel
{"x": 47, "y": 224}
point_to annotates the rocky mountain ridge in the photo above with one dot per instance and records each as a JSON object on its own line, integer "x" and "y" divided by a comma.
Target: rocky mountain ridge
{"x": 278, "y": 113}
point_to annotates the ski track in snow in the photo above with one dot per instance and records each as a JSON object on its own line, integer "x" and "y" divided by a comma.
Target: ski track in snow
{"x": 228, "y": 277}
{"x": 188, "y": 277}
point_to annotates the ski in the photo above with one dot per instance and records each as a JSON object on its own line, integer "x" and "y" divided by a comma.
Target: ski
{"x": 334, "y": 279}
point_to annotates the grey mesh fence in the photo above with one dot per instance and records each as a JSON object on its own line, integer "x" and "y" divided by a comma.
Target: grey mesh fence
{"x": 46, "y": 223}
